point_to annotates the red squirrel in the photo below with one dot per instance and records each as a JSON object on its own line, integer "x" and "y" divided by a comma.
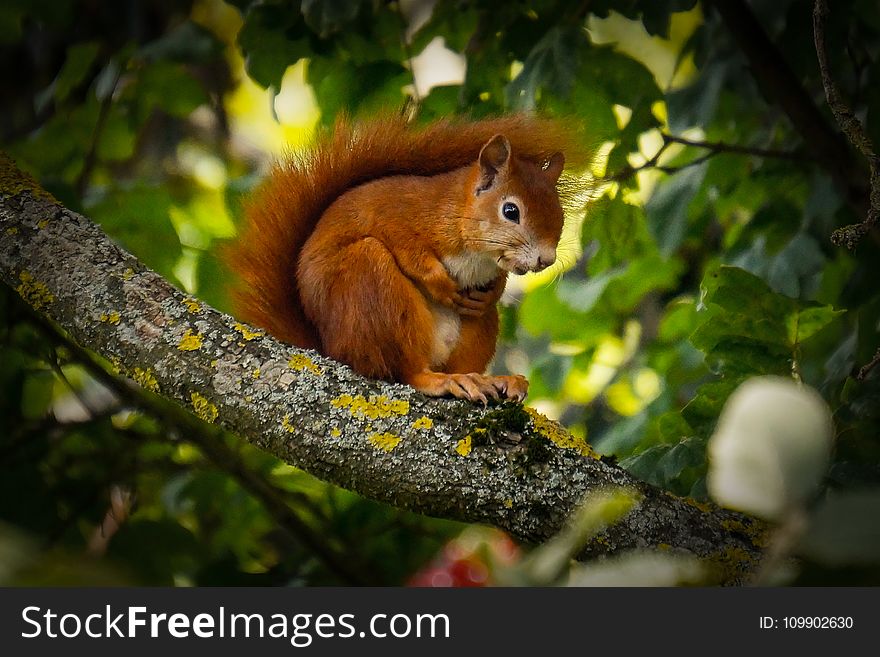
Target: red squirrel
{"x": 386, "y": 246}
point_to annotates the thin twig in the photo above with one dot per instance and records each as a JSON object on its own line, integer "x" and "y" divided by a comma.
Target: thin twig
{"x": 91, "y": 158}
{"x": 628, "y": 172}
{"x": 55, "y": 364}
{"x": 853, "y": 129}
{"x": 724, "y": 147}
{"x": 866, "y": 369}
{"x": 713, "y": 147}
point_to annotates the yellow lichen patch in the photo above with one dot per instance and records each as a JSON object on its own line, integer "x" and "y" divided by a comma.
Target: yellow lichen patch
{"x": 112, "y": 317}
{"x": 42, "y": 223}
{"x": 556, "y": 433}
{"x": 128, "y": 274}
{"x": 12, "y": 230}
{"x": 300, "y": 363}
{"x": 463, "y": 446}
{"x": 508, "y": 503}
{"x": 190, "y": 341}
{"x": 203, "y": 408}
{"x": 287, "y": 425}
{"x": 757, "y": 531}
{"x": 705, "y": 507}
{"x": 192, "y": 306}
{"x": 423, "y": 423}
{"x": 13, "y": 181}
{"x": 733, "y": 525}
{"x": 145, "y": 378}
{"x": 384, "y": 441}
{"x": 335, "y": 432}
{"x": 256, "y": 373}
{"x": 732, "y": 563}
{"x": 374, "y": 407}
{"x": 214, "y": 362}
{"x": 33, "y": 291}
{"x": 247, "y": 333}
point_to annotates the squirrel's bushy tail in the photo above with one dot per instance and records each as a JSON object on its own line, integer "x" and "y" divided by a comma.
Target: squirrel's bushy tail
{"x": 283, "y": 212}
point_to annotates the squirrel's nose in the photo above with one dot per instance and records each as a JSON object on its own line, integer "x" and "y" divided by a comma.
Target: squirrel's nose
{"x": 545, "y": 261}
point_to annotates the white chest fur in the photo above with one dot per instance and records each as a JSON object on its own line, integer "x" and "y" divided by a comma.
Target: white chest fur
{"x": 447, "y": 328}
{"x": 469, "y": 270}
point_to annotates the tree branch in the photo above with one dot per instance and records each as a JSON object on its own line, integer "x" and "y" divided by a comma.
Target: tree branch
{"x": 852, "y": 128}
{"x": 503, "y": 465}
{"x": 210, "y": 440}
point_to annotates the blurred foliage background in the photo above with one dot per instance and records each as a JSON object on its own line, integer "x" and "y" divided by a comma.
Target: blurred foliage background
{"x": 704, "y": 259}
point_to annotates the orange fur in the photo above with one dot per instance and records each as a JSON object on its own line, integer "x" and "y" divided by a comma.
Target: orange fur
{"x": 384, "y": 246}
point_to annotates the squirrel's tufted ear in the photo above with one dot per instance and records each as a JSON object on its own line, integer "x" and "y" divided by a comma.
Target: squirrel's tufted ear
{"x": 494, "y": 157}
{"x": 553, "y": 167}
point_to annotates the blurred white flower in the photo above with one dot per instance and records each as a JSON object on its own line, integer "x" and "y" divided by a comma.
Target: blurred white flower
{"x": 771, "y": 447}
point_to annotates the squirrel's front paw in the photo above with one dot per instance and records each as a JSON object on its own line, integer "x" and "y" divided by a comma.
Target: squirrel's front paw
{"x": 442, "y": 289}
{"x": 474, "y": 302}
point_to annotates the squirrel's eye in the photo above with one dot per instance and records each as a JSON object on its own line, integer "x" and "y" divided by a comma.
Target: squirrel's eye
{"x": 510, "y": 211}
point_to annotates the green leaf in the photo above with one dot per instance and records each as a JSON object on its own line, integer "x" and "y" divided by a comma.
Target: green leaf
{"x": 542, "y": 312}
{"x": 375, "y": 37}
{"x": 625, "y": 81}
{"x": 736, "y": 290}
{"x": 582, "y": 296}
{"x": 79, "y": 61}
{"x": 552, "y": 64}
{"x": 695, "y": 104}
{"x": 676, "y": 467}
{"x": 650, "y": 273}
{"x": 803, "y": 324}
{"x": 326, "y": 17}
{"x": 442, "y": 101}
{"x": 657, "y": 14}
{"x": 454, "y": 21}
{"x": 117, "y": 140}
{"x": 620, "y": 231}
{"x": 486, "y": 79}
{"x": 794, "y": 270}
{"x": 136, "y": 542}
{"x": 701, "y": 413}
{"x": 688, "y": 453}
{"x": 273, "y": 37}
{"x": 187, "y": 42}
{"x": 169, "y": 87}
{"x": 743, "y": 327}
{"x": 37, "y": 394}
{"x": 667, "y": 208}
{"x": 678, "y": 321}
{"x": 359, "y": 89}
{"x": 644, "y": 465}
{"x": 139, "y": 219}
{"x": 671, "y": 427}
